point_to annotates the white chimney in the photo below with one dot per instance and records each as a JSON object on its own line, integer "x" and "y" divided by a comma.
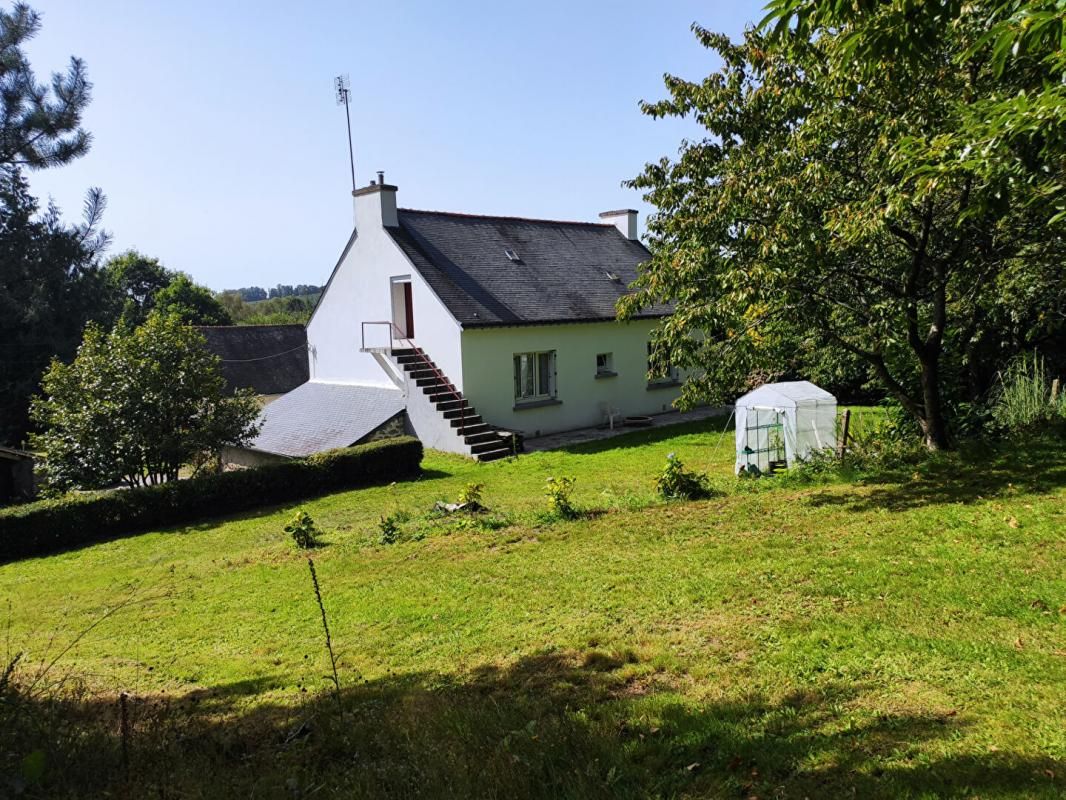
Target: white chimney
{"x": 625, "y": 219}
{"x": 375, "y": 205}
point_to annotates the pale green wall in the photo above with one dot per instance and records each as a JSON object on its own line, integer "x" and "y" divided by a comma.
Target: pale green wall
{"x": 488, "y": 374}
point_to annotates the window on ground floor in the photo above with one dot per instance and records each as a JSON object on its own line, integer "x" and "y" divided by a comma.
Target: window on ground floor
{"x": 534, "y": 376}
{"x": 605, "y": 364}
{"x": 660, "y": 370}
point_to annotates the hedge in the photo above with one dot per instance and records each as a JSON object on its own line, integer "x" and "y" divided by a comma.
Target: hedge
{"x": 50, "y": 525}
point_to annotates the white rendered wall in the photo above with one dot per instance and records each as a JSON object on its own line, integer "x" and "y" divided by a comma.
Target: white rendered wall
{"x": 488, "y": 374}
{"x": 361, "y": 290}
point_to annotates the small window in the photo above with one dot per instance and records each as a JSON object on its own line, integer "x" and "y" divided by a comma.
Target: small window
{"x": 660, "y": 370}
{"x": 534, "y": 376}
{"x": 605, "y": 364}
{"x": 511, "y": 253}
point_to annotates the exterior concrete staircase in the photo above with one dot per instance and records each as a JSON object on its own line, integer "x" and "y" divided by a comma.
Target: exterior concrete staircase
{"x": 484, "y": 441}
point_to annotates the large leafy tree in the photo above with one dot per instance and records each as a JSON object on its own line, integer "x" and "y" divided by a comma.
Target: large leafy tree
{"x": 137, "y": 404}
{"x": 192, "y": 303}
{"x": 143, "y": 284}
{"x": 802, "y": 214}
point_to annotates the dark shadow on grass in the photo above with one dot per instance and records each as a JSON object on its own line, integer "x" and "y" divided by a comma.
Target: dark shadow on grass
{"x": 550, "y": 725}
{"x": 1036, "y": 466}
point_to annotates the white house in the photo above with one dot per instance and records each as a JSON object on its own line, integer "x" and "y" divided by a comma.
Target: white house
{"x": 459, "y": 327}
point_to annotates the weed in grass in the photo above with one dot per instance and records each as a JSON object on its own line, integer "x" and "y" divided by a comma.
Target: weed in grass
{"x": 389, "y": 529}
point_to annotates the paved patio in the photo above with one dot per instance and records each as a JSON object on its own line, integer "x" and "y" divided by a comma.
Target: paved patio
{"x": 554, "y": 441}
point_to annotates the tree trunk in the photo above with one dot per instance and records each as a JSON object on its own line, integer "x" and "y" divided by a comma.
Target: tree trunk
{"x": 934, "y": 428}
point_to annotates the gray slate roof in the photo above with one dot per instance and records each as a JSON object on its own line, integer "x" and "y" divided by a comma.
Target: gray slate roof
{"x": 561, "y": 274}
{"x": 271, "y": 359}
{"x": 321, "y": 416}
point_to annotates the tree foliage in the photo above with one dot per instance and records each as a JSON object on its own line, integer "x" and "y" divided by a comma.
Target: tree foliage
{"x": 50, "y": 285}
{"x": 1016, "y": 126}
{"x": 40, "y": 125}
{"x": 143, "y": 284}
{"x": 192, "y": 303}
{"x": 137, "y": 404}
{"x": 812, "y": 212}
{"x": 49, "y": 282}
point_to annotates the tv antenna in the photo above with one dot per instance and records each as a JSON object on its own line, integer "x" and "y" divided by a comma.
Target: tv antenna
{"x": 343, "y": 88}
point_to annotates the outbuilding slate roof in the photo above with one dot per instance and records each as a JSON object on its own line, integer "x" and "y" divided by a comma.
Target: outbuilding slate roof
{"x": 564, "y": 272}
{"x": 271, "y": 359}
{"x": 321, "y": 416}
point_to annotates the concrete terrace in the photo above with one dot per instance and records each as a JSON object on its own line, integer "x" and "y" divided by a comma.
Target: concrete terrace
{"x": 556, "y": 441}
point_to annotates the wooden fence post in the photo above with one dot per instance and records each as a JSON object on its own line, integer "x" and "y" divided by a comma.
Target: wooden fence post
{"x": 1055, "y": 390}
{"x": 842, "y": 447}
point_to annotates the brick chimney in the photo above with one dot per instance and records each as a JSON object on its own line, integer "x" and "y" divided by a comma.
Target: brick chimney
{"x": 625, "y": 219}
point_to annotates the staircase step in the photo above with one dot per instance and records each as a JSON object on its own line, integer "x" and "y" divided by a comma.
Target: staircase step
{"x": 487, "y": 447}
{"x": 458, "y": 419}
{"x": 429, "y": 383}
{"x": 493, "y": 455}
{"x": 459, "y": 409}
{"x": 410, "y": 358}
{"x": 481, "y": 437}
{"x": 449, "y": 402}
{"x": 417, "y": 372}
{"x": 407, "y": 351}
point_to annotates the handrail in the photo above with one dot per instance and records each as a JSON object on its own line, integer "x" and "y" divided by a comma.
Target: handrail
{"x": 395, "y": 334}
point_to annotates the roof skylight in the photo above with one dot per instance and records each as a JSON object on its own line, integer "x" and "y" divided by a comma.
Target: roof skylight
{"x": 512, "y": 254}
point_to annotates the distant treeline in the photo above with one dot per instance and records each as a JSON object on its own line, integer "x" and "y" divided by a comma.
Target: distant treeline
{"x": 272, "y": 311}
{"x": 250, "y": 294}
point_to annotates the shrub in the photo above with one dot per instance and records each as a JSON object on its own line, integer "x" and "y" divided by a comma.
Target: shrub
{"x": 470, "y": 496}
{"x": 302, "y": 530}
{"x": 558, "y": 491}
{"x": 50, "y": 525}
{"x": 677, "y": 483}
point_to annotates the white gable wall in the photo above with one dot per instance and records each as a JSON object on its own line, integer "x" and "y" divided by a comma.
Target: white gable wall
{"x": 361, "y": 290}
{"x": 488, "y": 369}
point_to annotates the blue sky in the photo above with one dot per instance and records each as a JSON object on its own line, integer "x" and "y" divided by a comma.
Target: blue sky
{"x": 222, "y": 152}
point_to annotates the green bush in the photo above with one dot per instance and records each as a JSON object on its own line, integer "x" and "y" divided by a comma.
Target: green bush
{"x": 677, "y": 483}
{"x": 302, "y": 530}
{"x": 50, "y": 525}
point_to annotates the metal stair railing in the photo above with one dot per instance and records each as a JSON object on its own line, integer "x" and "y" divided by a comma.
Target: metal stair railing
{"x": 396, "y": 335}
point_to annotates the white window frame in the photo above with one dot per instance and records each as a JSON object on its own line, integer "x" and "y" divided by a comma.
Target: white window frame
{"x": 528, "y": 367}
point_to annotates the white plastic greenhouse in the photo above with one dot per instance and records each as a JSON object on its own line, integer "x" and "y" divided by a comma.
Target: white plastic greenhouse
{"x": 780, "y": 423}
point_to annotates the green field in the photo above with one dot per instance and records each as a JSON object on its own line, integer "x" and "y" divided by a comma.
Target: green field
{"x": 903, "y": 636}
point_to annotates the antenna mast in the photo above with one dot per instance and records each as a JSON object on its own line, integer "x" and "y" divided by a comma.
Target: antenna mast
{"x": 343, "y": 88}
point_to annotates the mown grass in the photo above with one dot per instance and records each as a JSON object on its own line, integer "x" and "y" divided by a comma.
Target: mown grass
{"x": 898, "y": 636}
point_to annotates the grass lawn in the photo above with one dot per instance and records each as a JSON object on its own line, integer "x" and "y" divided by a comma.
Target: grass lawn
{"x": 897, "y": 637}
